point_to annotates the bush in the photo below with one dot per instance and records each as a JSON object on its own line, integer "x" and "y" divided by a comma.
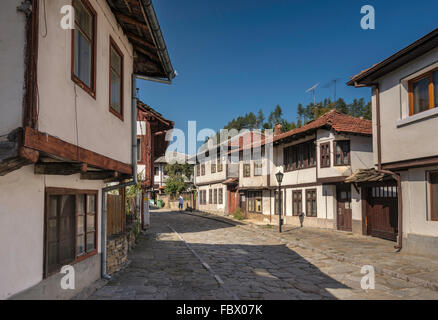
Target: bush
{"x": 237, "y": 214}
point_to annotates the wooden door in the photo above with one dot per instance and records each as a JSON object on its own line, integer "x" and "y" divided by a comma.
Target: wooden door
{"x": 382, "y": 212}
{"x": 232, "y": 201}
{"x": 242, "y": 202}
{"x": 344, "y": 211}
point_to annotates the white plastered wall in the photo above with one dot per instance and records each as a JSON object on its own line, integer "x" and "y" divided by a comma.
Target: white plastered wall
{"x": 96, "y": 128}
{"x": 12, "y": 62}
{"x": 22, "y": 197}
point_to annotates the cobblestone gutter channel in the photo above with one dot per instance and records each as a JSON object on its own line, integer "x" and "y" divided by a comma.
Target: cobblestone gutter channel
{"x": 433, "y": 285}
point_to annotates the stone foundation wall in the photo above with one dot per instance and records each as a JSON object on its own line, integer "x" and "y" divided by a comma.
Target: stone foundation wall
{"x": 117, "y": 249}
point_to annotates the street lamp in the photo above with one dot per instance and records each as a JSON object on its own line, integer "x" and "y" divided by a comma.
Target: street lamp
{"x": 279, "y": 175}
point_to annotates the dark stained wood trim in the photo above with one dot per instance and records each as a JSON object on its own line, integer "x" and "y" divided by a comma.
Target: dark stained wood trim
{"x": 66, "y": 191}
{"x": 415, "y": 163}
{"x": 331, "y": 180}
{"x": 30, "y": 114}
{"x": 99, "y": 175}
{"x": 58, "y": 168}
{"x": 39, "y": 141}
{"x": 307, "y": 191}
{"x": 300, "y": 209}
{"x": 91, "y": 91}
{"x": 321, "y": 147}
{"x": 364, "y": 204}
{"x": 113, "y": 45}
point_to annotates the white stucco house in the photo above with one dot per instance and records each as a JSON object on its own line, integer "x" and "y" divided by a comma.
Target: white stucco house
{"x": 67, "y": 128}
{"x": 405, "y": 121}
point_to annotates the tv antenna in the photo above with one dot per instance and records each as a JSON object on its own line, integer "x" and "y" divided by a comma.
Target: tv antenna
{"x": 313, "y": 90}
{"x": 333, "y": 83}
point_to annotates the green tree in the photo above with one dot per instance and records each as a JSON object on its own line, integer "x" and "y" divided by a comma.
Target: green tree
{"x": 260, "y": 119}
{"x": 341, "y": 106}
{"x": 368, "y": 114}
{"x": 178, "y": 174}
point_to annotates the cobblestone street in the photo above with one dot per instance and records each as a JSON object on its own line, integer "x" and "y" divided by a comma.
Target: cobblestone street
{"x": 188, "y": 257}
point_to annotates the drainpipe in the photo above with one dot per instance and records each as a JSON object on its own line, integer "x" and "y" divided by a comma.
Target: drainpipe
{"x": 396, "y": 176}
{"x": 124, "y": 185}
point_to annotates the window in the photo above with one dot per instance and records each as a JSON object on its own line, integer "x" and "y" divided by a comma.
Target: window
{"x": 198, "y": 170}
{"x": 203, "y": 169}
{"x": 384, "y": 192}
{"x": 220, "y": 166}
{"x": 213, "y": 168}
{"x": 139, "y": 155}
{"x": 246, "y": 170}
{"x": 258, "y": 166}
{"x": 299, "y": 156}
{"x": 215, "y": 196}
{"x": 297, "y": 202}
{"x": 342, "y": 157}
{"x": 325, "y": 155}
{"x": 221, "y": 196}
{"x": 116, "y": 80}
{"x": 311, "y": 203}
{"x": 255, "y": 202}
{"x": 84, "y": 47}
{"x": 71, "y": 227}
{"x": 156, "y": 171}
{"x": 210, "y": 196}
{"x": 434, "y": 195}
{"x": 423, "y": 92}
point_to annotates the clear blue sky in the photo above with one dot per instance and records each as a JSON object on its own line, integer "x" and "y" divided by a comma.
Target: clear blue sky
{"x": 237, "y": 56}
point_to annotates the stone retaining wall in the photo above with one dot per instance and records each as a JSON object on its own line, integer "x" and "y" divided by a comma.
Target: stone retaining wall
{"x": 117, "y": 249}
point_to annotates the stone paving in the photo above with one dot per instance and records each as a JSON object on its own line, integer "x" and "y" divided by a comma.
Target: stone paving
{"x": 238, "y": 263}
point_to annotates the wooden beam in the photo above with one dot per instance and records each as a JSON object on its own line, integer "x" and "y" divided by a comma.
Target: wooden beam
{"x": 99, "y": 175}
{"x": 41, "y": 142}
{"x": 58, "y": 168}
{"x": 29, "y": 154}
{"x": 127, "y": 19}
{"x": 141, "y": 41}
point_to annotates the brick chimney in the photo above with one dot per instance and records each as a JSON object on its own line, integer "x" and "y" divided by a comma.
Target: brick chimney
{"x": 278, "y": 129}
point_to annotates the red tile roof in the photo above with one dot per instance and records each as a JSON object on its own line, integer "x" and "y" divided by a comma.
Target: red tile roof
{"x": 340, "y": 122}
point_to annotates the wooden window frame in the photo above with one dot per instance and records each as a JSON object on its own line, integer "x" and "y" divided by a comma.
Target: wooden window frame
{"x": 113, "y": 45}
{"x": 246, "y": 170}
{"x": 432, "y": 203}
{"x": 258, "y": 164}
{"x": 198, "y": 170}
{"x": 90, "y": 90}
{"x": 213, "y": 168}
{"x": 71, "y": 192}
{"x": 300, "y": 209}
{"x": 299, "y": 156}
{"x": 221, "y": 196}
{"x": 427, "y": 75}
{"x": 335, "y": 146}
{"x": 215, "y": 195}
{"x": 140, "y": 155}
{"x": 309, "y": 212}
{"x": 210, "y": 196}
{"x": 325, "y": 152}
{"x": 202, "y": 169}
{"x": 252, "y": 197}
